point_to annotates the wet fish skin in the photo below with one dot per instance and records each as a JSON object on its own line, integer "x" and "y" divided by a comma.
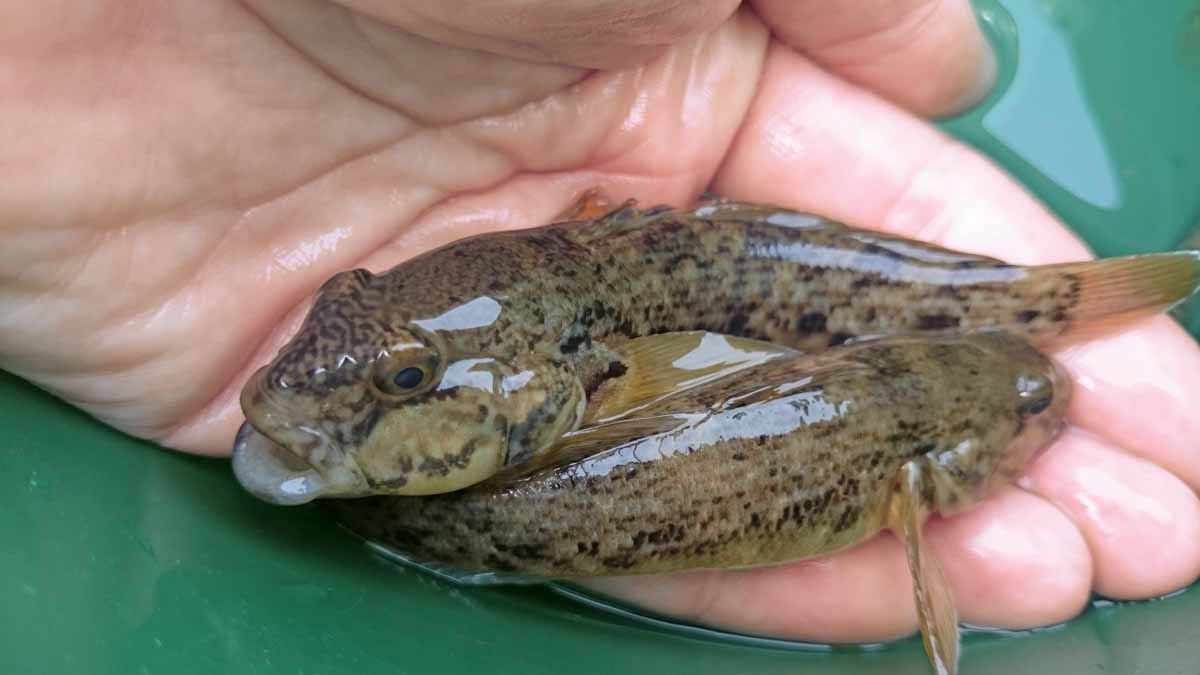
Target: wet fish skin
{"x": 796, "y": 457}
{"x": 511, "y": 331}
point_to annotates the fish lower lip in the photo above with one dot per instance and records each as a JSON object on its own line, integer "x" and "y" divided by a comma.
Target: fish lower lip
{"x": 271, "y": 473}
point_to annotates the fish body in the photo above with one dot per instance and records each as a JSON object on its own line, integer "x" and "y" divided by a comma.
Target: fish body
{"x": 649, "y": 391}
{"x": 480, "y": 355}
{"x": 795, "y": 456}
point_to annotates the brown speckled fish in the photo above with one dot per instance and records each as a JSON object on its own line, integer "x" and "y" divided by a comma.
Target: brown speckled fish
{"x": 743, "y": 454}
{"x": 459, "y": 362}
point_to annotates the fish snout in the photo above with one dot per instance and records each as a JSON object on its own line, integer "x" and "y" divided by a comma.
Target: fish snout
{"x": 281, "y": 456}
{"x": 272, "y": 472}
{"x": 268, "y": 471}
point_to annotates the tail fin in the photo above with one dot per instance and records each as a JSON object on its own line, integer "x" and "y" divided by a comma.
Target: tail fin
{"x": 1115, "y": 291}
{"x": 1134, "y": 285}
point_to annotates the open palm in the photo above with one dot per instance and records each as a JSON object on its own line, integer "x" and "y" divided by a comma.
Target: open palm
{"x": 177, "y": 178}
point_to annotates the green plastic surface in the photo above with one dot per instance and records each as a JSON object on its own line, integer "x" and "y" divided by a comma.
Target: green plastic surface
{"x": 1097, "y": 111}
{"x": 118, "y": 557}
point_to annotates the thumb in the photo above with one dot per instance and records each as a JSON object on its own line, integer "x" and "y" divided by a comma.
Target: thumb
{"x": 926, "y": 55}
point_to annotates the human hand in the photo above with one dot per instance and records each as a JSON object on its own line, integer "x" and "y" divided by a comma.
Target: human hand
{"x": 178, "y": 178}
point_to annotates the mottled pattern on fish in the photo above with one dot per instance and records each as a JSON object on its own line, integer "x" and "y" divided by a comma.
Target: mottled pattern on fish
{"x": 512, "y": 330}
{"x": 474, "y": 364}
{"x": 751, "y": 271}
{"x": 792, "y": 458}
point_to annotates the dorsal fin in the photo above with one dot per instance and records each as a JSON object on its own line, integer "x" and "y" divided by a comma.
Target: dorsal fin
{"x": 624, "y": 219}
{"x": 591, "y": 204}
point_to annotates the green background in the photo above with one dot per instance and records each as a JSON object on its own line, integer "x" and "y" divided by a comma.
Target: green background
{"x": 118, "y": 557}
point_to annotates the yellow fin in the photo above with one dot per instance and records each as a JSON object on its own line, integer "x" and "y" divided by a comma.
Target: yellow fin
{"x": 663, "y": 365}
{"x": 1118, "y": 290}
{"x": 592, "y": 440}
{"x": 936, "y": 613}
{"x": 669, "y": 380}
{"x": 590, "y": 204}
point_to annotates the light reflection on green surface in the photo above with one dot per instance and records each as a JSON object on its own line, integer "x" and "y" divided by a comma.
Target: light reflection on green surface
{"x": 1096, "y": 113}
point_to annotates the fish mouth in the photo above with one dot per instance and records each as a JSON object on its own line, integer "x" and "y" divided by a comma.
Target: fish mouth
{"x": 284, "y": 462}
{"x": 274, "y": 474}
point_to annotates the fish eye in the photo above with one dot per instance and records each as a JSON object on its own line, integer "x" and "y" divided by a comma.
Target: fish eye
{"x": 1029, "y": 386}
{"x": 1037, "y": 406}
{"x": 404, "y": 374}
{"x": 409, "y": 378}
{"x": 1036, "y": 393}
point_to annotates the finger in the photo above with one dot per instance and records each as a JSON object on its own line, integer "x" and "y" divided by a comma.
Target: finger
{"x": 1014, "y": 562}
{"x": 603, "y": 34}
{"x": 1138, "y": 390}
{"x": 860, "y": 595}
{"x": 926, "y": 55}
{"x": 1141, "y": 524}
{"x": 817, "y": 143}
{"x": 619, "y": 130}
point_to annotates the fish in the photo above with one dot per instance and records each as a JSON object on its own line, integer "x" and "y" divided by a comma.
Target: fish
{"x": 480, "y": 355}
{"x": 744, "y": 454}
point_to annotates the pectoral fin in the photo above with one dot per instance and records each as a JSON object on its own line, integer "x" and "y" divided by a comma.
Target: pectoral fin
{"x": 936, "y": 613}
{"x": 658, "y": 367}
{"x": 589, "y": 441}
{"x": 660, "y": 383}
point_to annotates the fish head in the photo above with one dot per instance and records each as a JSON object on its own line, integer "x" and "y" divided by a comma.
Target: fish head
{"x": 1016, "y": 407}
{"x": 357, "y": 406}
